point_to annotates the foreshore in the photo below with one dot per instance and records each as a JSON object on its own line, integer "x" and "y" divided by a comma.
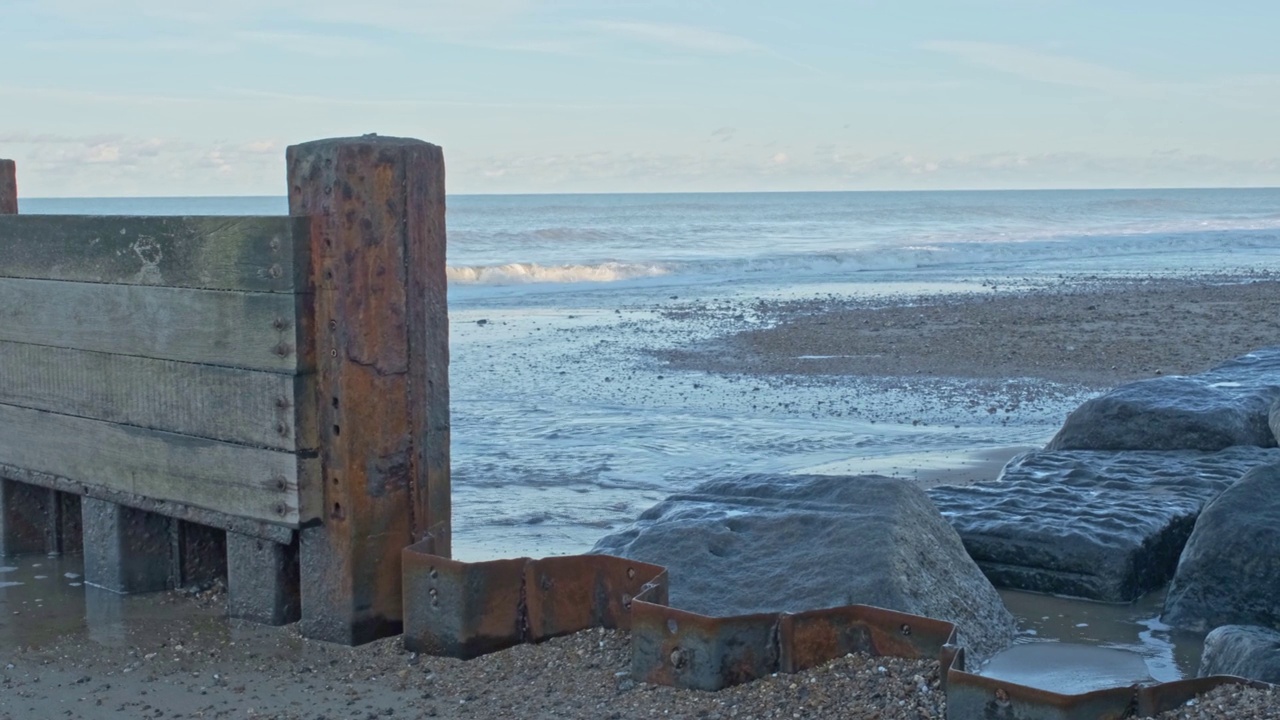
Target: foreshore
{"x": 1092, "y": 334}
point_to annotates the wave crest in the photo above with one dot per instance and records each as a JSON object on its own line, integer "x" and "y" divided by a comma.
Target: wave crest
{"x": 525, "y": 273}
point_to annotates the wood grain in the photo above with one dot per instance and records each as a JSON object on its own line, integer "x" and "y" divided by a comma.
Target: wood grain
{"x": 232, "y": 479}
{"x": 246, "y": 330}
{"x": 370, "y": 201}
{"x": 255, "y": 254}
{"x": 247, "y": 407}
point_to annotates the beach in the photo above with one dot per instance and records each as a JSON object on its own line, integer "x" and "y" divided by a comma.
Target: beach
{"x": 173, "y": 656}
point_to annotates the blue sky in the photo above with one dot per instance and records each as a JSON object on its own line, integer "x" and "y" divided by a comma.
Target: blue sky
{"x": 168, "y": 97}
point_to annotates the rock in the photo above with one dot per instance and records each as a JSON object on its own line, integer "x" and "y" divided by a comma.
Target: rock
{"x": 1228, "y": 405}
{"x": 1244, "y": 651}
{"x": 1099, "y": 525}
{"x": 1229, "y": 572}
{"x": 772, "y": 543}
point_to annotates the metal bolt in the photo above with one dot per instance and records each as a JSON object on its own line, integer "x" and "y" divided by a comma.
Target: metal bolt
{"x": 282, "y": 428}
{"x": 333, "y": 353}
{"x": 281, "y": 482}
{"x": 275, "y": 271}
{"x": 433, "y": 573}
{"x": 546, "y": 583}
{"x": 906, "y": 629}
{"x": 280, "y": 324}
{"x": 626, "y": 602}
{"x": 333, "y": 324}
{"x": 281, "y": 510}
{"x": 631, "y": 573}
{"x": 679, "y": 658}
{"x": 671, "y": 626}
{"x": 284, "y": 349}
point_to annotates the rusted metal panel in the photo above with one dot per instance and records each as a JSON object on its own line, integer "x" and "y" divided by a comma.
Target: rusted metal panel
{"x": 461, "y": 609}
{"x": 815, "y": 637}
{"x": 8, "y": 188}
{"x": 468, "y": 609}
{"x": 687, "y": 650}
{"x": 569, "y": 594}
{"x": 1156, "y": 699}
{"x": 975, "y": 697}
{"x": 372, "y": 204}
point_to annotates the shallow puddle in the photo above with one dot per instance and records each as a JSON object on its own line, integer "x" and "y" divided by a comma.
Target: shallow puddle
{"x": 1067, "y": 645}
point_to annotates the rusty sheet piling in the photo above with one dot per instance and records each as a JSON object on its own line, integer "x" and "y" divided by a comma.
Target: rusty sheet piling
{"x": 464, "y": 610}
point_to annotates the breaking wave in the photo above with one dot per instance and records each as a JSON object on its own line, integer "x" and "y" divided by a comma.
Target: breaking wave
{"x": 522, "y": 273}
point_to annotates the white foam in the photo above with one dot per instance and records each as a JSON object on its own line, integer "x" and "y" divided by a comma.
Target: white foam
{"x": 524, "y": 273}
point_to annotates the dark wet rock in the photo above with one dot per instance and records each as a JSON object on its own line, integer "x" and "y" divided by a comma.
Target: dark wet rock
{"x": 1229, "y": 573}
{"x": 1100, "y": 525}
{"x": 1228, "y": 405}
{"x": 1245, "y": 651}
{"x": 770, "y": 543}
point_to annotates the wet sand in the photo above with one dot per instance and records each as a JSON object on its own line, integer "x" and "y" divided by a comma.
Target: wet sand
{"x": 142, "y": 663}
{"x": 1092, "y": 333}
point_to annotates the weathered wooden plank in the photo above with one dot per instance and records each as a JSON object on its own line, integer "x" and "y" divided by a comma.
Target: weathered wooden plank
{"x": 247, "y": 407}
{"x": 8, "y": 189}
{"x": 248, "y": 330}
{"x": 366, "y": 198}
{"x": 73, "y": 491}
{"x": 247, "y": 482}
{"x": 254, "y": 254}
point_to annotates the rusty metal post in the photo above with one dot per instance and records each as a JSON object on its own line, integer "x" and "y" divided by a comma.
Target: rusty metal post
{"x": 376, "y": 207}
{"x": 8, "y": 188}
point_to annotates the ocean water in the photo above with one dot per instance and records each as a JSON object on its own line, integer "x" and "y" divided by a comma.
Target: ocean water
{"x": 566, "y": 424}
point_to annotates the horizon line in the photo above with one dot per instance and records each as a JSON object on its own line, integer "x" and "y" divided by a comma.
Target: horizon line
{"x": 697, "y": 192}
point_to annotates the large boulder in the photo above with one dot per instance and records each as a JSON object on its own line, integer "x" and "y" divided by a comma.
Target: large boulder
{"x": 1229, "y": 572}
{"x": 774, "y": 543}
{"x": 1099, "y": 525}
{"x": 1244, "y": 651}
{"x": 1228, "y": 405}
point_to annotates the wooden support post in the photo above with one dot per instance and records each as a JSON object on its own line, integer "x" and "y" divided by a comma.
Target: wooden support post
{"x": 8, "y": 188}
{"x": 376, "y": 207}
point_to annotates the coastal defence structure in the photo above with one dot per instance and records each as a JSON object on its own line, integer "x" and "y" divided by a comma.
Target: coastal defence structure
{"x": 281, "y": 379}
{"x": 267, "y": 397}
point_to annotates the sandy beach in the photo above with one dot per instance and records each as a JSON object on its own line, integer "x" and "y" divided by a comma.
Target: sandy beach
{"x": 1093, "y": 334}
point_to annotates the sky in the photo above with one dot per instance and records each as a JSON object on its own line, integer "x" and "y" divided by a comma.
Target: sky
{"x": 169, "y": 97}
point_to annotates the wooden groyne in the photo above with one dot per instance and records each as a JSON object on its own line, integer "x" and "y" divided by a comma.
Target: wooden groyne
{"x": 271, "y": 388}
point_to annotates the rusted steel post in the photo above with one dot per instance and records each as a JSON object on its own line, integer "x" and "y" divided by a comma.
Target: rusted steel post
{"x": 376, "y": 207}
{"x": 8, "y": 188}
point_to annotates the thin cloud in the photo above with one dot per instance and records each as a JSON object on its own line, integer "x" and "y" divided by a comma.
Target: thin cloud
{"x": 683, "y": 37}
{"x": 314, "y": 44}
{"x": 1039, "y": 66}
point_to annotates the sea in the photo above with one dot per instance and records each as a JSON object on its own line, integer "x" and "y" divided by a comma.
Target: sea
{"x": 568, "y": 422}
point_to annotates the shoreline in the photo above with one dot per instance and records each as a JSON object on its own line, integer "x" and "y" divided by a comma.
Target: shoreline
{"x": 1092, "y": 334}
